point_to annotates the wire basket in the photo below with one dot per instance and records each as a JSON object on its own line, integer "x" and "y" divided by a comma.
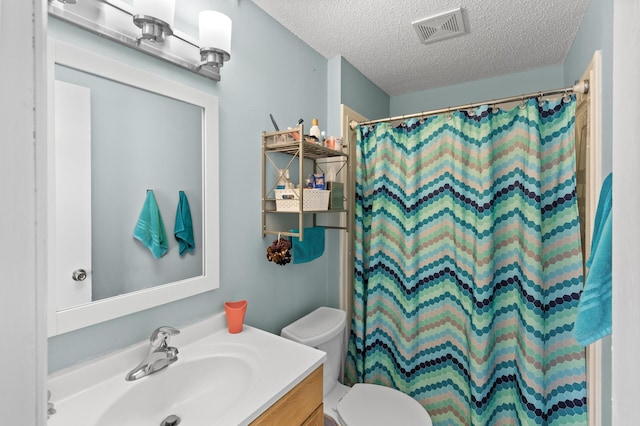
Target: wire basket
{"x": 287, "y": 200}
{"x": 281, "y": 139}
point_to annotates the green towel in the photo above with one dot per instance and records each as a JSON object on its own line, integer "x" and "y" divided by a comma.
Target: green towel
{"x": 311, "y": 247}
{"x": 183, "y": 229}
{"x": 150, "y": 229}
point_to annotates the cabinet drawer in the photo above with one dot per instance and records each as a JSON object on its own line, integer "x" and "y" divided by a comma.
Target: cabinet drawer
{"x": 317, "y": 418}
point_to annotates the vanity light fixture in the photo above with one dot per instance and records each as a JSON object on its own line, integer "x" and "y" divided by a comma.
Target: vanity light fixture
{"x": 215, "y": 38}
{"x": 154, "y": 18}
{"x": 153, "y": 21}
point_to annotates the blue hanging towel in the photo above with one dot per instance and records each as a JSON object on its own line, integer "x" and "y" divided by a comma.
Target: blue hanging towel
{"x": 183, "y": 228}
{"x": 311, "y": 248}
{"x": 150, "y": 229}
{"x": 594, "y": 309}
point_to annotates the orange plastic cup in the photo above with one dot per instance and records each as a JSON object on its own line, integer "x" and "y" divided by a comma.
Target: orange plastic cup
{"x": 235, "y": 315}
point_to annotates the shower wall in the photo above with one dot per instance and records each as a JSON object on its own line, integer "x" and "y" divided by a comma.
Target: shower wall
{"x": 479, "y": 90}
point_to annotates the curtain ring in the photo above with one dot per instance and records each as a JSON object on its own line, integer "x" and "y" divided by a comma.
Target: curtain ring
{"x": 566, "y": 98}
{"x": 522, "y": 104}
{"x": 449, "y": 115}
{"x": 540, "y": 100}
{"x": 470, "y": 110}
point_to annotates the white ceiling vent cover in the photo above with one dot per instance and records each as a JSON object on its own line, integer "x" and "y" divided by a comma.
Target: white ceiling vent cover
{"x": 440, "y": 27}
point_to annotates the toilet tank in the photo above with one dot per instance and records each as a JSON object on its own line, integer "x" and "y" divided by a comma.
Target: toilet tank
{"x": 322, "y": 329}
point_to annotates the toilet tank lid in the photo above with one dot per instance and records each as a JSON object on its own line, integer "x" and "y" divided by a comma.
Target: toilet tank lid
{"x": 317, "y": 327}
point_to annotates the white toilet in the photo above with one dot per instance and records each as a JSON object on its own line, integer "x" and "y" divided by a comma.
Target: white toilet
{"x": 363, "y": 404}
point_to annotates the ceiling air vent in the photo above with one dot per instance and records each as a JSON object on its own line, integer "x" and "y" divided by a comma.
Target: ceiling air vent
{"x": 440, "y": 27}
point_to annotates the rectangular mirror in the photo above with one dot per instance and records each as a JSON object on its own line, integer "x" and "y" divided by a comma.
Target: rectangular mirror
{"x": 115, "y": 133}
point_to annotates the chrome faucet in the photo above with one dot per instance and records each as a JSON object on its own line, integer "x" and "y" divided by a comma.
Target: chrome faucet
{"x": 159, "y": 355}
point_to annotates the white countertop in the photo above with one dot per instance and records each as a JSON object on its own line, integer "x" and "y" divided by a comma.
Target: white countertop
{"x": 82, "y": 393}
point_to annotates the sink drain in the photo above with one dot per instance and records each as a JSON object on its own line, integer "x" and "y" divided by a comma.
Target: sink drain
{"x": 171, "y": 420}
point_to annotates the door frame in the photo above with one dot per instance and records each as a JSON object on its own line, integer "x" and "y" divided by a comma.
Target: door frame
{"x": 347, "y": 238}
{"x": 594, "y": 352}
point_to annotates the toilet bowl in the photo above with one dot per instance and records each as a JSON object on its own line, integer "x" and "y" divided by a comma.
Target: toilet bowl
{"x": 363, "y": 404}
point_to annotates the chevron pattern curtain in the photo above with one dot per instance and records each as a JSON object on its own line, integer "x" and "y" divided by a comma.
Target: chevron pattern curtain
{"x": 468, "y": 265}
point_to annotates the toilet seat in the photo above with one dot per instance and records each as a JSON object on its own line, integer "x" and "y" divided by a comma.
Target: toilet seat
{"x": 371, "y": 405}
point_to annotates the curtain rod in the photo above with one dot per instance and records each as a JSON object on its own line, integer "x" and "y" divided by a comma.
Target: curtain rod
{"x": 580, "y": 87}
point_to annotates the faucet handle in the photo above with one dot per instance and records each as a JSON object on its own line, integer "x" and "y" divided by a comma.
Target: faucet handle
{"x": 161, "y": 334}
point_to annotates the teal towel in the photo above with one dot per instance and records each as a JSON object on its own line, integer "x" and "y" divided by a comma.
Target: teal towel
{"x": 183, "y": 229}
{"x": 311, "y": 248}
{"x": 150, "y": 229}
{"x": 594, "y": 309}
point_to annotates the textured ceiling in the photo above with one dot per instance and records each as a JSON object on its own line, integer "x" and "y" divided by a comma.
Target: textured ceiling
{"x": 376, "y": 36}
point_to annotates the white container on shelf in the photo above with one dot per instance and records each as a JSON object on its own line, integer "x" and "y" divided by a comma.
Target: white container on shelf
{"x": 287, "y": 200}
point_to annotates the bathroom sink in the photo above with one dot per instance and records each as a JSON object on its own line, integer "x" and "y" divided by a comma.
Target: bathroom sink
{"x": 218, "y": 379}
{"x": 195, "y": 389}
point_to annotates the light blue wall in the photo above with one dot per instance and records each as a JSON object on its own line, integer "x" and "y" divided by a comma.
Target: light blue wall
{"x": 479, "y": 90}
{"x": 334, "y": 95}
{"x": 332, "y": 127}
{"x": 360, "y": 94}
{"x": 348, "y": 86}
{"x": 271, "y": 71}
{"x": 596, "y": 33}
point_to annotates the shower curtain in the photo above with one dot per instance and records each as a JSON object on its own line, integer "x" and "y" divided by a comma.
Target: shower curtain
{"x": 468, "y": 265}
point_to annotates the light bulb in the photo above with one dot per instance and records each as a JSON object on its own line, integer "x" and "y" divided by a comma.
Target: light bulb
{"x": 164, "y": 10}
{"x": 215, "y": 30}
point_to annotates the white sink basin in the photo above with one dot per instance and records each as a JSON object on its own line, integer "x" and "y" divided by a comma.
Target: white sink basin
{"x": 184, "y": 389}
{"x": 219, "y": 378}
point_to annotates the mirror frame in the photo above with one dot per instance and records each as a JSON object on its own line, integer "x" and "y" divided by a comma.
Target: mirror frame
{"x": 63, "y": 321}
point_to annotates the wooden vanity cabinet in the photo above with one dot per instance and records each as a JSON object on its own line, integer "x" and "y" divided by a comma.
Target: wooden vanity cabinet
{"x": 315, "y": 419}
{"x": 302, "y": 405}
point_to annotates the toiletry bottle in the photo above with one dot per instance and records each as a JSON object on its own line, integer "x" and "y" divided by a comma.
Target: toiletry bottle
{"x": 323, "y": 137}
{"x": 281, "y": 182}
{"x": 287, "y": 177}
{"x": 315, "y": 130}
